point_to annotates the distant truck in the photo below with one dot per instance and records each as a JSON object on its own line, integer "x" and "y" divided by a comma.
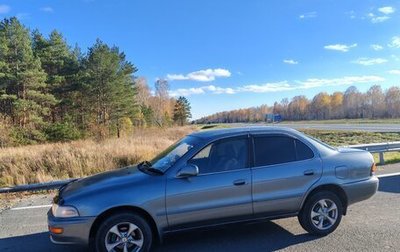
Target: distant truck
{"x": 273, "y": 118}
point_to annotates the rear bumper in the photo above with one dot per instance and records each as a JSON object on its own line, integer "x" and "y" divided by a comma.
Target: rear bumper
{"x": 361, "y": 190}
{"x": 75, "y": 230}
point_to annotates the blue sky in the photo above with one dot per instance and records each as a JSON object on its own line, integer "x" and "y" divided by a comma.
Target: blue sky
{"x": 233, "y": 54}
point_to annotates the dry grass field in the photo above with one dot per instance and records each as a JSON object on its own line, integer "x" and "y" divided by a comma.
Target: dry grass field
{"x": 40, "y": 163}
{"x": 46, "y": 162}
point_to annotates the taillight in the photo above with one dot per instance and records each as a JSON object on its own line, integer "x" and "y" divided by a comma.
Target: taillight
{"x": 373, "y": 168}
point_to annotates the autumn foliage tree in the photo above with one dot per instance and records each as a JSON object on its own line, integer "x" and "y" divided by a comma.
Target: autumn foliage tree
{"x": 375, "y": 103}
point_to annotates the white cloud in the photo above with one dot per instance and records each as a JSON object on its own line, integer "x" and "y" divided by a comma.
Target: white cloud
{"x": 202, "y": 75}
{"x": 377, "y": 19}
{"x": 381, "y": 15}
{"x": 220, "y": 90}
{"x": 340, "y": 47}
{"x": 201, "y": 90}
{"x": 47, "y": 9}
{"x": 279, "y": 86}
{"x": 176, "y": 77}
{"x": 376, "y": 47}
{"x": 347, "y": 80}
{"x": 4, "y": 9}
{"x": 369, "y": 61}
{"x": 394, "y": 71}
{"x": 386, "y": 10}
{"x": 186, "y": 91}
{"x": 267, "y": 87}
{"x": 290, "y": 62}
{"x": 395, "y": 42}
{"x": 312, "y": 14}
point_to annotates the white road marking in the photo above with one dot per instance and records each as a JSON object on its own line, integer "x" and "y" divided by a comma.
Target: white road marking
{"x": 30, "y": 207}
{"x": 388, "y": 175}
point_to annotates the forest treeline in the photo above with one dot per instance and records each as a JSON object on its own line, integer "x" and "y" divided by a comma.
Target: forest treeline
{"x": 352, "y": 104}
{"x": 50, "y": 91}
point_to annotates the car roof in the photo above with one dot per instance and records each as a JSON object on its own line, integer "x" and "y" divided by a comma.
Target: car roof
{"x": 216, "y": 133}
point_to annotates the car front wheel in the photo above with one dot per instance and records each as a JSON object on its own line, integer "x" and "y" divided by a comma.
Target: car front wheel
{"x": 321, "y": 213}
{"x": 124, "y": 232}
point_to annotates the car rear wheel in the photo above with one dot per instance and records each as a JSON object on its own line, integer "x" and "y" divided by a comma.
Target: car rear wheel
{"x": 124, "y": 232}
{"x": 321, "y": 213}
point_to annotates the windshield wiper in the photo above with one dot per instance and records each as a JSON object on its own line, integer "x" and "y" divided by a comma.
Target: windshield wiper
{"x": 146, "y": 166}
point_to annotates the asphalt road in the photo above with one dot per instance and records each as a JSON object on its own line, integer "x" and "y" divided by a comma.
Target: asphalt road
{"x": 371, "y": 127}
{"x": 372, "y": 225}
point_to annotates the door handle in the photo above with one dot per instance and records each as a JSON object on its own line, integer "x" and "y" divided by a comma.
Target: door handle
{"x": 239, "y": 182}
{"x": 308, "y": 172}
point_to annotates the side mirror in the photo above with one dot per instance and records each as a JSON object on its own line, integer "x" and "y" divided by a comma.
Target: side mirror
{"x": 189, "y": 170}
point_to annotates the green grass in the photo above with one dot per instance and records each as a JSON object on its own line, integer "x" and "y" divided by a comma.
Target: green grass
{"x": 342, "y": 138}
{"x": 390, "y": 157}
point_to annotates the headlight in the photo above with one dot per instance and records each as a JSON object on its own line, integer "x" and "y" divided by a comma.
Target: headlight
{"x": 64, "y": 211}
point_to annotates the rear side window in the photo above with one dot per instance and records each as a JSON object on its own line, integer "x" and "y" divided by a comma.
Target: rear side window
{"x": 270, "y": 150}
{"x": 303, "y": 151}
{"x": 274, "y": 150}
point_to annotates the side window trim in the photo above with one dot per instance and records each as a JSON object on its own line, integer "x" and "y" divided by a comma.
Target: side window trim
{"x": 295, "y": 149}
{"x": 253, "y": 155}
{"x": 246, "y": 136}
{"x": 297, "y": 153}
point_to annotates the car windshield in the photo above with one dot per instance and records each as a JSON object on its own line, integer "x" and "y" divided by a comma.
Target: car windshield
{"x": 173, "y": 153}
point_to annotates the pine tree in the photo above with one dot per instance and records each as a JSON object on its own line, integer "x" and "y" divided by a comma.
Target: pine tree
{"x": 61, "y": 65}
{"x": 24, "y": 97}
{"x": 182, "y": 111}
{"x": 108, "y": 85}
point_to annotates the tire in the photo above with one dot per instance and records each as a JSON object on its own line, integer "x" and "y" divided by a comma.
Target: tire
{"x": 140, "y": 239}
{"x": 317, "y": 219}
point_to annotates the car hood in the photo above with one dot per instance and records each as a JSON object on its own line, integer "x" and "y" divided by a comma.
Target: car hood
{"x": 102, "y": 181}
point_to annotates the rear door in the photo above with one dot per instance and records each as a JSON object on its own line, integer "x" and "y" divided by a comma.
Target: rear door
{"x": 284, "y": 169}
{"x": 222, "y": 190}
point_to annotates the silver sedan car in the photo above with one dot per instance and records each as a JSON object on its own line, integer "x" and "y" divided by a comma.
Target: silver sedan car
{"x": 211, "y": 178}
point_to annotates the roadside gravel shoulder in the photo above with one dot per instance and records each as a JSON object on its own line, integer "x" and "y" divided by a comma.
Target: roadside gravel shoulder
{"x": 10, "y": 200}
{"x": 389, "y": 168}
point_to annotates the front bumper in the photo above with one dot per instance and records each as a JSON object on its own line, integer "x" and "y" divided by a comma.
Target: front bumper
{"x": 76, "y": 230}
{"x": 361, "y": 190}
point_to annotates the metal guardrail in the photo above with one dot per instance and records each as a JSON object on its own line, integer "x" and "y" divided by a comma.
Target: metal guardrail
{"x": 378, "y": 148}
{"x": 373, "y": 148}
{"x": 36, "y": 187}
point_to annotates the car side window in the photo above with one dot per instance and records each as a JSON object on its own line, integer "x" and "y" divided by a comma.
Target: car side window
{"x": 303, "y": 151}
{"x": 223, "y": 155}
{"x": 271, "y": 150}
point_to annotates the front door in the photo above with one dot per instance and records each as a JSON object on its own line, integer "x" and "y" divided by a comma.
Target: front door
{"x": 222, "y": 190}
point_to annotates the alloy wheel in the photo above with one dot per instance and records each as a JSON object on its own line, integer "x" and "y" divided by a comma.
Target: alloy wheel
{"x": 124, "y": 237}
{"x": 324, "y": 214}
